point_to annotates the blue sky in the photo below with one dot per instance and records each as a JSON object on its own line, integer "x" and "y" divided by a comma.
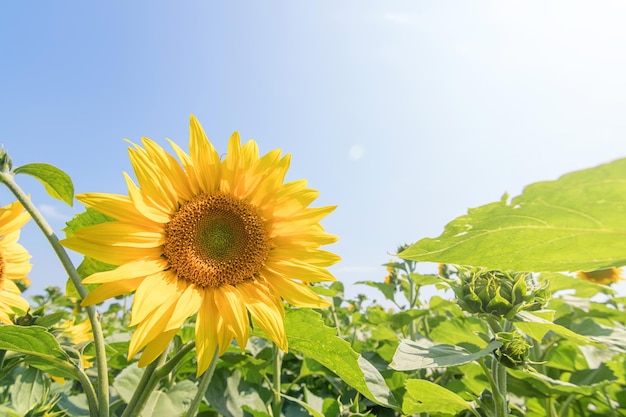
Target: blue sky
{"x": 402, "y": 113}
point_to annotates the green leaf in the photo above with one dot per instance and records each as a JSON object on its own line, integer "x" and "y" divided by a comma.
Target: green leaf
{"x": 575, "y": 223}
{"x": 423, "y": 353}
{"x": 422, "y": 280}
{"x": 308, "y": 335}
{"x": 29, "y": 389}
{"x": 126, "y": 382}
{"x": 544, "y": 386}
{"x": 584, "y": 289}
{"x": 41, "y": 348}
{"x": 388, "y": 290}
{"x": 459, "y": 330}
{"x": 51, "y": 319}
{"x": 312, "y": 411}
{"x": 537, "y": 328}
{"x": 162, "y": 403}
{"x": 170, "y": 403}
{"x": 227, "y": 392}
{"x": 57, "y": 183}
{"x": 423, "y": 396}
{"x": 89, "y": 217}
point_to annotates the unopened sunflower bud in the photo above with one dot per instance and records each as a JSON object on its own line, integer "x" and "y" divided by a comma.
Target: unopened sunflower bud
{"x": 514, "y": 350}
{"x": 5, "y": 161}
{"x": 500, "y": 293}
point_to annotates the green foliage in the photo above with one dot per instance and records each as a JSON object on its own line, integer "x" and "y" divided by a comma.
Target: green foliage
{"x": 40, "y": 348}
{"x": 57, "y": 183}
{"x": 426, "y": 397}
{"x": 575, "y": 223}
{"x": 308, "y": 335}
{"x": 509, "y": 344}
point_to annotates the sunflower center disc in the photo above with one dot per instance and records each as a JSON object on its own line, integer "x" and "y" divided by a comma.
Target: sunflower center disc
{"x": 216, "y": 239}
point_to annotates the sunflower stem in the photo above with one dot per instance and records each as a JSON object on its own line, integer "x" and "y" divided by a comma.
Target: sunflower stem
{"x": 89, "y": 391}
{"x": 101, "y": 363}
{"x": 277, "y": 402}
{"x": 202, "y": 387}
{"x": 146, "y": 385}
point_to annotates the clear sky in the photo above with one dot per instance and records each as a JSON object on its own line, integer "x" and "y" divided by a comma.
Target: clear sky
{"x": 402, "y": 113}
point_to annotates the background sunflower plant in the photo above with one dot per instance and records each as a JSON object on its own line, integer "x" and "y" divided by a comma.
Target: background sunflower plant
{"x": 206, "y": 291}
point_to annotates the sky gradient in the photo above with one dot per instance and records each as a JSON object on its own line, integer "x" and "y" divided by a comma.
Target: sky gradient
{"x": 402, "y": 113}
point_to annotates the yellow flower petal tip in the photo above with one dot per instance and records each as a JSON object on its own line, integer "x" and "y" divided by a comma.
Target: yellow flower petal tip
{"x": 14, "y": 262}
{"x": 602, "y": 276}
{"x": 222, "y": 239}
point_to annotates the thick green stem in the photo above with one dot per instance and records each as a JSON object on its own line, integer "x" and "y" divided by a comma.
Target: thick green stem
{"x": 151, "y": 376}
{"x": 146, "y": 385}
{"x": 89, "y": 392}
{"x": 500, "y": 394}
{"x": 98, "y": 336}
{"x": 277, "y": 402}
{"x": 202, "y": 387}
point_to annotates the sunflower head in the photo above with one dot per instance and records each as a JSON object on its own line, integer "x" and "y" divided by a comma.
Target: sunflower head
{"x": 14, "y": 261}
{"x": 226, "y": 240}
{"x": 602, "y": 276}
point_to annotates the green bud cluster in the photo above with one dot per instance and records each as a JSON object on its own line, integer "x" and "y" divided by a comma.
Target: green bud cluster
{"x": 5, "y": 161}
{"x": 499, "y": 293}
{"x": 514, "y": 350}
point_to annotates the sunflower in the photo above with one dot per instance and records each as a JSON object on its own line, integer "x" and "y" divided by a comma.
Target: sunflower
{"x": 14, "y": 261}
{"x": 224, "y": 240}
{"x": 602, "y": 276}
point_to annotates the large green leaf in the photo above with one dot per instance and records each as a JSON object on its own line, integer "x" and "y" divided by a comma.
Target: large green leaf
{"x": 537, "y": 327}
{"x": 42, "y": 350}
{"x": 57, "y": 183}
{"x": 423, "y": 396}
{"x": 308, "y": 335}
{"x": 577, "y": 222}
{"x": 423, "y": 353}
{"x": 170, "y": 402}
{"x": 30, "y": 388}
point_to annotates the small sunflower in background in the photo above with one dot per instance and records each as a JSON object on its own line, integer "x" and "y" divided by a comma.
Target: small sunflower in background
{"x": 602, "y": 276}
{"x": 14, "y": 261}
{"x": 223, "y": 240}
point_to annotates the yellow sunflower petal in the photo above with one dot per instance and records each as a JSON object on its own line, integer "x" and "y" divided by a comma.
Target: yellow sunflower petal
{"x": 151, "y": 327}
{"x": 314, "y": 257}
{"x": 190, "y": 171}
{"x": 12, "y": 218}
{"x": 114, "y": 255}
{"x": 206, "y": 331}
{"x": 300, "y": 270}
{"x": 134, "y": 269}
{"x": 187, "y": 305}
{"x": 295, "y": 293}
{"x": 172, "y": 170}
{"x": 146, "y": 207}
{"x": 233, "y": 310}
{"x": 110, "y": 290}
{"x": 13, "y": 301}
{"x": 265, "y": 313}
{"x": 155, "y": 348}
{"x": 206, "y": 160}
{"x": 121, "y": 234}
{"x": 154, "y": 291}
{"x": 152, "y": 180}
{"x": 119, "y": 207}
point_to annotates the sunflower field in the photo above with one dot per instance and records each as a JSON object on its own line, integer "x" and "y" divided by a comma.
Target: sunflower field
{"x": 208, "y": 291}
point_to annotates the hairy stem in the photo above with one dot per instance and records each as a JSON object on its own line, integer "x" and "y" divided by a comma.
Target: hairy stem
{"x": 98, "y": 336}
{"x": 277, "y": 402}
{"x": 202, "y": 387}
